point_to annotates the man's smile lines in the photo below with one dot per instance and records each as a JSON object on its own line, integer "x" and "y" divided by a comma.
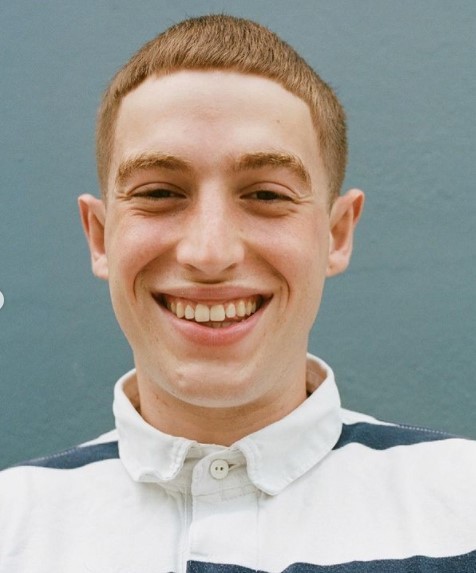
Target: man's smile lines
{"x": 214, "y": 315}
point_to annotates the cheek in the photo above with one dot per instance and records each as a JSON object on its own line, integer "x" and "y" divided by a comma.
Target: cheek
{"x": 306, "y": 265}
{"x": 302, "y": 254}
{"x": 131, "y": 247}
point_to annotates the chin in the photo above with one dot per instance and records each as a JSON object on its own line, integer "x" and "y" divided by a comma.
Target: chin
{"x": 213, "y": 386}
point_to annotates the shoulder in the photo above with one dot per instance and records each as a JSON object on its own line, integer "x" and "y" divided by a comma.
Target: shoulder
{"x": 39, "y": 474}
{"x": 43, "y": 486}
{"x": 103, "y": 448}
{"x": 410, "y": 459}
{"x": 377, "y": 435}
{"x": 48, "y": 501}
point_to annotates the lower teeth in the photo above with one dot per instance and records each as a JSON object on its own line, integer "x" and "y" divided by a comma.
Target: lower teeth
{"x": 223, "y": 324}
{"x": 219, "y": 324}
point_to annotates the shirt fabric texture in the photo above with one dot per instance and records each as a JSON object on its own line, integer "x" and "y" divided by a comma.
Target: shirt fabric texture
{"x": 322, "y": 490}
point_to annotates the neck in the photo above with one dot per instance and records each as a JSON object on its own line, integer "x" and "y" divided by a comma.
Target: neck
{"x": 222, "y": 424}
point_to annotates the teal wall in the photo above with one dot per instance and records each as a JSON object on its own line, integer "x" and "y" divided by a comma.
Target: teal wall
{"x": 398, "y": 327}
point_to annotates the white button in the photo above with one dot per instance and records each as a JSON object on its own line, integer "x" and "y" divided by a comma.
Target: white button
{"x": 219, "y": 469}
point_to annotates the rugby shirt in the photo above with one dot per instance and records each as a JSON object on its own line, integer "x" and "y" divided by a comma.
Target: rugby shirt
{"x": 324, "y": 490}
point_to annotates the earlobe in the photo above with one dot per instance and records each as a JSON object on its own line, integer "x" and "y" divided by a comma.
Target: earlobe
{"x": 345, "y": 214}
{"x": 93, "y": 216}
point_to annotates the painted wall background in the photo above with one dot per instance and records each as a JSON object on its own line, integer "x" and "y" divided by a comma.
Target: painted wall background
{"x": 398, "y": 327}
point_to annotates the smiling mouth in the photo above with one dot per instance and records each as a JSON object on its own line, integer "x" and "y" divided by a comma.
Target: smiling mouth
{"x": 217, "y": 315}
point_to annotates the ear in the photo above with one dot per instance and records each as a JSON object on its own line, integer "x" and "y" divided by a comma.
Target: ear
{"x": 93, "y": 216}
{"x": 344, "y": 216}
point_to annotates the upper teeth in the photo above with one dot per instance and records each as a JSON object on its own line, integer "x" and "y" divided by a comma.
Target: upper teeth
{"x": 201, "y": 312}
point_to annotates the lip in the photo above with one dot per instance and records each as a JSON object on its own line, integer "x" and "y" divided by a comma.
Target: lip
{"x": 199, "y": 334}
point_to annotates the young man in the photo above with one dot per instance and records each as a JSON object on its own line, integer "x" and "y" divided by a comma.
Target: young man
{"x": 221, "y": 155}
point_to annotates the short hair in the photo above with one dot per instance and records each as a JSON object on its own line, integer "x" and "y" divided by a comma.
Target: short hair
{"x": 222, "y": 42}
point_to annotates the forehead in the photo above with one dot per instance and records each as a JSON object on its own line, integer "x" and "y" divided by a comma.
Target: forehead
{"x": 215, "y": 113}
{"x": 212, "y": 95}
{"x": 213, "y": 82}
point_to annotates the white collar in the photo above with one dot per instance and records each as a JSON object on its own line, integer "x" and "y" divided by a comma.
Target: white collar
{"x": 275, "y": 456}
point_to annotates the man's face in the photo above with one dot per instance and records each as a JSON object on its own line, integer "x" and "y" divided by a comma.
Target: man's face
{"x": 216, "y": 236}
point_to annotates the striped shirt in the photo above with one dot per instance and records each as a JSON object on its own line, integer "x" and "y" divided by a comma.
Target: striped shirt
{"x": 322, "y": 490}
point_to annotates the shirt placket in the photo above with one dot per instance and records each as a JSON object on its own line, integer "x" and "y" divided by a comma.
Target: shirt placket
{"x": 224, "y": 512}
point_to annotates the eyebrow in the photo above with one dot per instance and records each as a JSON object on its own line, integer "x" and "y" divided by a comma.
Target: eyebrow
{"x": 143, "y": 161}
{"x": 248, "y": 161}
{"x": 274, "y": 159}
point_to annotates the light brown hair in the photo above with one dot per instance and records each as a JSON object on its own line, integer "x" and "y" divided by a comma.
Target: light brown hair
{"x": 228, "y": 43}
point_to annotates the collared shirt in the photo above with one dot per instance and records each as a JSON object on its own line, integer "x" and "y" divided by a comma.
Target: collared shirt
{"x": 323, "y": 490}
{"x": 270, "y": 459}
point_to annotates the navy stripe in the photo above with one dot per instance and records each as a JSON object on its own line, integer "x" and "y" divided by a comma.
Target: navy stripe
{"x": 417, "y": 564}
{"x": 381, "y": 437}
{"x": 77, "y": 457}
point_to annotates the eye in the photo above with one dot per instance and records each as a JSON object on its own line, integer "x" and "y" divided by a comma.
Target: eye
{"x": 156, "y": 194}
{"x": 269, "y": 196}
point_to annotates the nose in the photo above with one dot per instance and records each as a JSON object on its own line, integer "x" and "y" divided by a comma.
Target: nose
{"x": 212, "y": 242}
